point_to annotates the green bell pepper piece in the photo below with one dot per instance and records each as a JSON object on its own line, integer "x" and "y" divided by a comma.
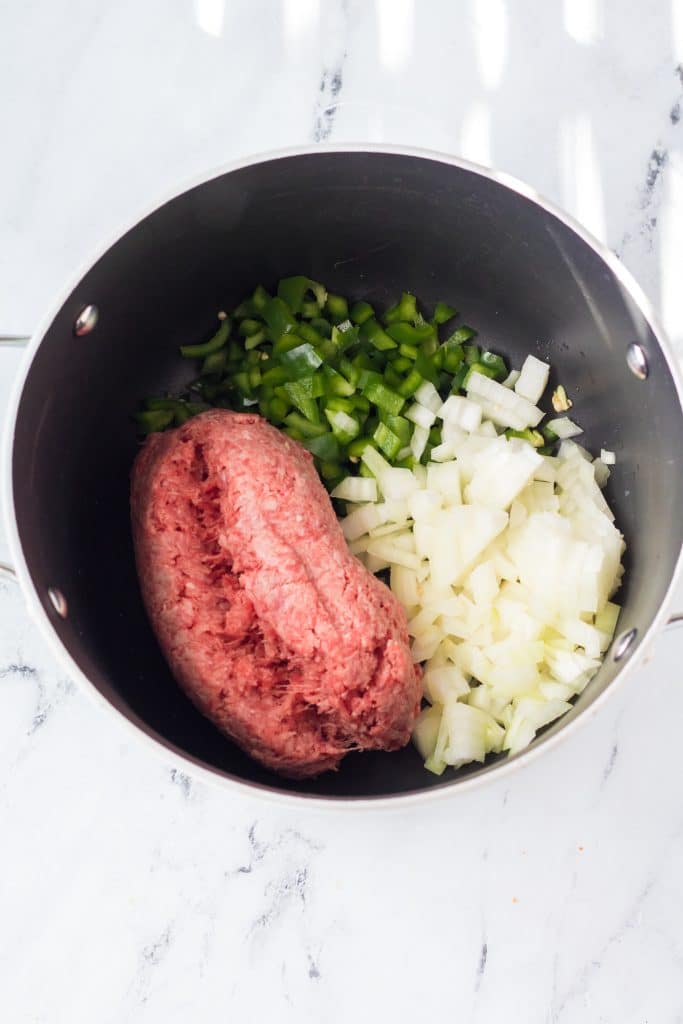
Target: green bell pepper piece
{"x": 335, "y": 384}
{"x": 279, "y": 317}
{"x": 404, "y": 310}
{"x": 301, "y": 361}
{"x": 495, "y": 363}
{"x": 383, "y": 397}
{"x": 406, "y": 334}
{"x": 472, "y": 354}
{"x": 337, "y": 308}
{"x": 452, "y": 357}
{"x": 212, "y": 345}
{"x": 152, "y": 420}
{"x": 360, "y": 312}
{"x": 372, "y": 333}
{"x": 387, "y": 441}
{"x": 293, "y": 290}
{"x": 410, "y": 385}
{"x": 304, "y": 426}
{"x": 322, "y": 326}
{"x": 325, "y": 446}
{"x": 443, "y": 312}
{"x": 215, "y": 363}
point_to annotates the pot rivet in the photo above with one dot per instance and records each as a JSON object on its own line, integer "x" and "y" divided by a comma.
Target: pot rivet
{"x": 58, "y": 602}
{"x": 623, "y": 644}
{"x": 86, "y": 320}
{"x": 637, "y": 361}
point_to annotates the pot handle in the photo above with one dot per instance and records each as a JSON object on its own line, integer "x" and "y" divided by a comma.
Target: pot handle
{"x": 13, "y": 341}
{"x": 7, "y": 571}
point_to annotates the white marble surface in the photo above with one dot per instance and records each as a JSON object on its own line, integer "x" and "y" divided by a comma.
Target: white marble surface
{"x": 132, "y": 893}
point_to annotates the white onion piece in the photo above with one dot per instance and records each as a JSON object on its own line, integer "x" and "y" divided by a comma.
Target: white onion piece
{"x": 427, "y": 396}
{"x": 357, "y": 489}
{"x": 382, "y": 547}
{"x": 461, "y": 412}
{"x": 418, "y": 441}
{"x": 424, "y": 505}
{"x": 444, "y": 683}
{"x": 505, "y": 472}
{"x": 374, "y": 564}
{"x": 360, "y": 521}
{"x": 420, "y": 415}
{"x": 443, "y": 452}
{"x": 487, "y": 429}
{"x": 602, "y": 473}
{"x": 608, "y": 457}
{"x": 444, "y": 478}
{"x": 533, "y": 379}
{"x": 491, "y": 391}
{"x": 454, "y": 435}
{"x": 564, "y": 427}
{"x": 398, "y": 484}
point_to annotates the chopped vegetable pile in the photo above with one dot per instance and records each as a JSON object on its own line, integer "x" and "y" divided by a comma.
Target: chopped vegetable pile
{"x": 338, "y": 377}
{"x": 504, "y": 560}
{"x": 499, "y": 545}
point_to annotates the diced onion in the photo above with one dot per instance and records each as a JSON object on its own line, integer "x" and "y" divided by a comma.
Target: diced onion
{"x": 420, "y": 415}
{"x": 427, "y": 396}
{"x": 461, "y": 412}
{"x": 356, "y": 489}
{"x": 533, "y": 379}
{"x": 504, "y": 560}
{"x": 501, "y": 398}
{"x": 418, "y": 441}
{"x": 443, "y": 452}
{"x": 564, "y": 427}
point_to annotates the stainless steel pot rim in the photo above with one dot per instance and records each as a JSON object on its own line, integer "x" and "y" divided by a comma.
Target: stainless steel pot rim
{"x": 159, "y": 744}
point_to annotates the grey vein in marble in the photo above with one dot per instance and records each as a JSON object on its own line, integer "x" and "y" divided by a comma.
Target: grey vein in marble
{"x": 582, "y": 983}
{"x": 326, "y": 106}
{"x": 481, "y": 966}
{"x": 331, "y": 81}
{"x": 151, "y": 957}
{"x": 609, "y": 767}
{"x": 183, "y": 781}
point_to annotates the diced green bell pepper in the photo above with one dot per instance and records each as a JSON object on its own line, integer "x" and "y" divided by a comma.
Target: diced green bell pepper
{"x": 406, "y": 334}
{"x": 443, "y": 312}
{"x": 293, "y": 290}
{"x": 212, "y": 345}
{"x": 404, "y": 311}
{"x": 495, "y": 363}
{"x": 387, "y": 441}
{"x": 372, "y": 332}
{"x": 301, "y": 361}
{"x": 337, "y": 308}
{"x": 383, "y": 397}
{"x": 360, "y": 312}
{"x": 279, "y": 317}
{"x": 325, "y": 446}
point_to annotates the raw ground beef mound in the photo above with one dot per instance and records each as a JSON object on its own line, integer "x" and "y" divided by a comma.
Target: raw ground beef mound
{"x": 275, "y": 631}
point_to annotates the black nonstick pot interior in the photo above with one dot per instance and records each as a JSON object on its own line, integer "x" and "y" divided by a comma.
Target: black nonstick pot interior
{"x": 367, "y": 224}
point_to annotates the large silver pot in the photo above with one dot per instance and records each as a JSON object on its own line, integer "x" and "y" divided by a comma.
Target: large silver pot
{"x": 368, "y": 221}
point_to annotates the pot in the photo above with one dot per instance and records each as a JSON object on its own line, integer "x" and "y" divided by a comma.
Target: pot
{"x": 368, "y": 222}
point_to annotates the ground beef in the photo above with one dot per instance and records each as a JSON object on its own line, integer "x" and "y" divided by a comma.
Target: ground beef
{"x": 273, "y": 629}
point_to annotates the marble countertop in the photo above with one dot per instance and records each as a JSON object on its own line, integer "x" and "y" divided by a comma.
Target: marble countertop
{"x": 130, "y": 892}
